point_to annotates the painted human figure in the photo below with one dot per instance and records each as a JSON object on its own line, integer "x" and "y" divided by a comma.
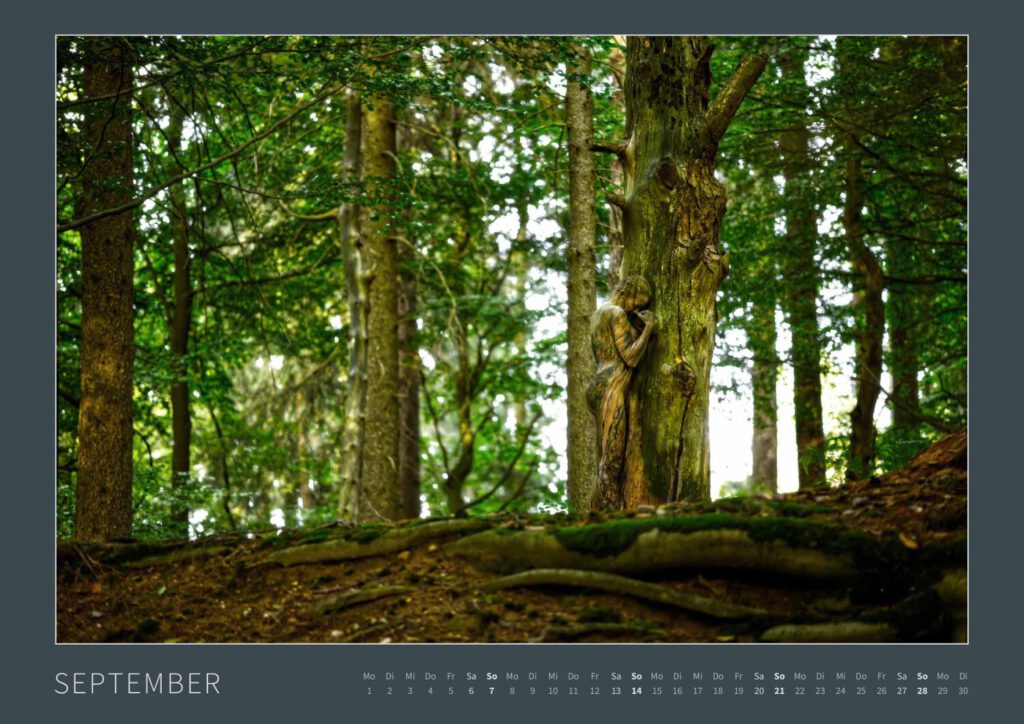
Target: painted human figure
{"x": 620, "y": 332}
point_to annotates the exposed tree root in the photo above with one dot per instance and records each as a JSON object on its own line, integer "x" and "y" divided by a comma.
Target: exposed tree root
{"x": 952, "y": 591}
{"x": 370, "y": 541}
{"x": 362, "y": 633}
{"x": 767, "y": 545}
{"x": 116, "y": 553}
{"x": 922, "y": 616}
{"x": 179, "y": 555}
{"x": 832, "y": 633}
{"x": 627, "y": 586}
{"x": 352, "y": 598}
{"x": 654, "y": 550}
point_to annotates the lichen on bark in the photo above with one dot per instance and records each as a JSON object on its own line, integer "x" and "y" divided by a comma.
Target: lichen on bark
{"x": 673, "y": 208}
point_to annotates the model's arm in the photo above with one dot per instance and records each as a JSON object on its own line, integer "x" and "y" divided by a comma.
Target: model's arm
{"x": 630, "y": 346}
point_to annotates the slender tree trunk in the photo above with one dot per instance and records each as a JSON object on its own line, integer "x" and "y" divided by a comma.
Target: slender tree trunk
{"x": 181, "y": 323}
{"x": 302, "y": 475}
{"x": 519, "y": 268}
{"x": 459, "y": 472}
{"x": 905, "y": 307}
{"x": 764, "y": 379}
{"x": 672, "y": 220}
{"x": 380, "y": 472}
{"x": 582, "y": 262}
{"x": 904, "y": 359}
{"x": 802, "y": 303}
{"x": 353, "y": 434}
{"x": 104, "y": 486}
{"x": 870, "y": 324}
{"x": 222, "y": 464}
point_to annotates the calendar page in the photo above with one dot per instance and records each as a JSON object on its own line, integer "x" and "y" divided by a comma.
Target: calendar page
{"x": 456, "y": 364}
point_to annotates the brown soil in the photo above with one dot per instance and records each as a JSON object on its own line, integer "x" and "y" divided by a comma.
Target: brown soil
{"x": 226, "y": 592}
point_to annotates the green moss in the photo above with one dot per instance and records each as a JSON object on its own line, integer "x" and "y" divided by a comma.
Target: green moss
{"x": 799, "y": 510}
{"x": 614, "y": 537}
{"x": 270, "y": 541}
{"x": 423, "y": 521}
{"x": 886, "y": 567}
{"x": 317, "y": 536}
{"x": 801, "y": 533}
{"x": 755, "y": 505}
{"x": 367, "y": 533}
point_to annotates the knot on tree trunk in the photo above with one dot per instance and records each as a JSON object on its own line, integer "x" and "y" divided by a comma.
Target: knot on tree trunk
{"x": 667, "y": 172}
{"x": 682, "y": 377}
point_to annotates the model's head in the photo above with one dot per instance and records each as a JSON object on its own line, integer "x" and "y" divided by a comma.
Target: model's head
{"x": 632, "y": 293}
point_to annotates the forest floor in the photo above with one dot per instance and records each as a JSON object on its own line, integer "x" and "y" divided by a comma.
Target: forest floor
{"x": 876, "y": 560}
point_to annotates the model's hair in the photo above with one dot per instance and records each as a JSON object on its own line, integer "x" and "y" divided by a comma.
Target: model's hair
{"x": 629, "y": 290}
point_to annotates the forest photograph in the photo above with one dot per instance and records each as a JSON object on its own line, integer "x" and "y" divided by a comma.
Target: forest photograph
{"x": 436, "y": 339}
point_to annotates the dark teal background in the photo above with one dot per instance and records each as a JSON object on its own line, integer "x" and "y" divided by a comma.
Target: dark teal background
{"x": 324, "y": 682}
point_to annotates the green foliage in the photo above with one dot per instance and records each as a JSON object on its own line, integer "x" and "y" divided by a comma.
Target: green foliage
{"x": 481, "y": 198}
{"x": 153, "y": 499}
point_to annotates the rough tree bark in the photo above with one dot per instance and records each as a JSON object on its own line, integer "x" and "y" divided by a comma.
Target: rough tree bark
{"x": 354, "y": 430}
{"x": 408, "y": 381}
{"x": 672, "y": 216}
{"x": 870, "y": 324}
{"x": 409, "y": 396}
{"x": 617, "y": 63}
{"x": 801, "y": 306}
{"x": 104, "y": 486}
{"x": 383, "y": 496}
{"x": 615, "y": 230}
{"x": 181, "y": 324}
{"x": 582, "y": 263}
{"x": 904, "y": 313}
{"x": 764, "y": 377}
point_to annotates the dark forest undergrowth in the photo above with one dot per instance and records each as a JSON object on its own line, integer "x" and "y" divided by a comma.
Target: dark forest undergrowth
{"x": 876, "y": 560}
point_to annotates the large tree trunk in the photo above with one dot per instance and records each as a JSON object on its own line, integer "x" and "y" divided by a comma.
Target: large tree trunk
{"x": 104, "y": 487}
{"x": 582, "y": 262}
{"x": 764, "y": 378}
{"x": 672, "y": 217}
{"x": 617, "y": 62}
{"x": 380, "y": 471}
{"x": 350, "y": 493}
{"x": 181, "y": 323}
{"x": 615, "y": 229}
{"x": 802, "y": 303}
{"x": 870, "y": 323}
{"x": 409, "y": 394}
{"x": 408, "y": 383}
